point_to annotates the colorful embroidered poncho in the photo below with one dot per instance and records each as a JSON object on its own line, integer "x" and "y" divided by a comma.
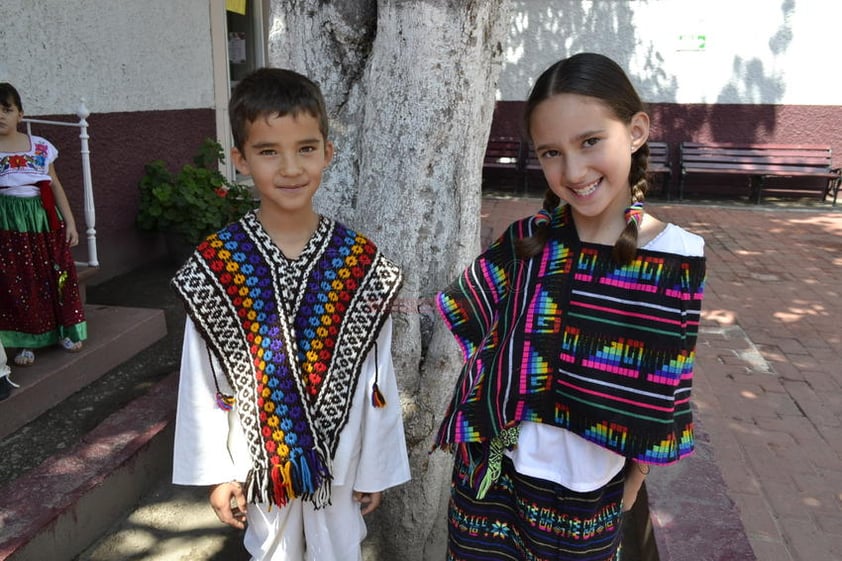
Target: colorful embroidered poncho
{"x": 291, "y": 336}
{"x": 571, "y": 339}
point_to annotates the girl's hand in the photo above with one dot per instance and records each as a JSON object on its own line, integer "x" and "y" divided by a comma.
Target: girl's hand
{"x": 72, "y": 236}
{"x": 229, "y": 504}
{"x": 369, "y": 501}
{"x": 635, "y": 474}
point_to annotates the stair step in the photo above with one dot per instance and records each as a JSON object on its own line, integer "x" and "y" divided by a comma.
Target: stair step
{"x": 59, "y": 508}
{"x": 115, "y": 334}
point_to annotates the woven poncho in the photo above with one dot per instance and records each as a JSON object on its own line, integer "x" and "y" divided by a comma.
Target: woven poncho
{"x": 570, "y": 338}
{"x": 291, "y": 337}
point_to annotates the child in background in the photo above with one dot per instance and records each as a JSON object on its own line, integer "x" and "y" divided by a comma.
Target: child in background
{"x": 288, "y": 406}
{"x": 39, "y": 295}
{"x": 6, "y": 384}
{"x": 578, "y": 328}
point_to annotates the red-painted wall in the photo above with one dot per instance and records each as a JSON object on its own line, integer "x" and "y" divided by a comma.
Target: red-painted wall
{"x": 120, "y": 145}
{"x": 675, "y": 123}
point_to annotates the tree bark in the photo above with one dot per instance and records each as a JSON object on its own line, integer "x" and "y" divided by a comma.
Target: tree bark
{"x": 410, "y": 91}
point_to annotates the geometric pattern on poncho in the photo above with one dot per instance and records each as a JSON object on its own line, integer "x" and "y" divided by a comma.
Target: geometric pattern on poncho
{"x": 291, "y": 336}
{"x": 572, "y": 339}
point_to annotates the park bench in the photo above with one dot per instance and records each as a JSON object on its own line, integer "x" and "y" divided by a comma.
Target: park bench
{"x": 516, "y": 155}
{"x": 660, "y": 165}
{"x": 760, "y": 161}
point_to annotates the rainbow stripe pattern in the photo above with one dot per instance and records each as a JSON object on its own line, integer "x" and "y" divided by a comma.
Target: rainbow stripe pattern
{"x": 572, "y": 339}
{"x": 277, "y": 336}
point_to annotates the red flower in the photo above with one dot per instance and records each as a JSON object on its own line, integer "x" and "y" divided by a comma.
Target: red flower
{"x": 222, "y": 192}
{"x": 17, "y": 161}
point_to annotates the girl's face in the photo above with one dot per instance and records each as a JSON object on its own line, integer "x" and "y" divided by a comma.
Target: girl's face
{"x": 10, "y": 117}
{"x": 585, "y": 152}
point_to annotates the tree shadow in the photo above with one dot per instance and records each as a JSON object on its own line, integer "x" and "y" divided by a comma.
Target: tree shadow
{"x": 540, "y": 36}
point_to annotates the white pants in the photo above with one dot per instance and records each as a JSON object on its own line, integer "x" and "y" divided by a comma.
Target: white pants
{"x": 299, "y": 532}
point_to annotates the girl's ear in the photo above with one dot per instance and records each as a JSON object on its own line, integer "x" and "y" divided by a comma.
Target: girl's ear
{"x": 639, "y": 129}
{"x": 240, "y": 161}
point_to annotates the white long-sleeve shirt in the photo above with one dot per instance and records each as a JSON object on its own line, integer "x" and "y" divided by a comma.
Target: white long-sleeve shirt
{"x": 210, "y": 445}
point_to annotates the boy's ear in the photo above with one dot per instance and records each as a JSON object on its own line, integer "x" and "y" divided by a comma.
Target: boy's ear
{"x": 639, "y": 129}
{"x": 240, "y": 161}
{"x": 329, "y": 151}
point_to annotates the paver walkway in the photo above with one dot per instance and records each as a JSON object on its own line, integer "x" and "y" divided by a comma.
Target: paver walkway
{"x": 768, "y": 386}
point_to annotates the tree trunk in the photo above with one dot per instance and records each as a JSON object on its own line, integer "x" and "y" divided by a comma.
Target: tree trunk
{"x": 410, "y": 90}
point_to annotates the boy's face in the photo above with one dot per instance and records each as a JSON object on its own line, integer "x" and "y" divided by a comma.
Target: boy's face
{"x": 285, "y": 156}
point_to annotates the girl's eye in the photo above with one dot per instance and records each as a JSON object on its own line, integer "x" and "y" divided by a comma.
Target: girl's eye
{"x": 267, "y": 152}
{"x": 591, "y": 141}
{"x": 549, "y": 154}
{"x": 308, "y": 149}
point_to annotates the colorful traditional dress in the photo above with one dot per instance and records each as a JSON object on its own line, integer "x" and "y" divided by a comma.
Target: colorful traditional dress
{"x": 303, "y": 347}
{"x": 573, "y": 365}
{"x": 39, "y": 294}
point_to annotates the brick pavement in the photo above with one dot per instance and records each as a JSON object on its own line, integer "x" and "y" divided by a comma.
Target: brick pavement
{"x": 768, "y": 389}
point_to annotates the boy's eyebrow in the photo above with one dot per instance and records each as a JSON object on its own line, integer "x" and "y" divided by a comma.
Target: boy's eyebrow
{"x": 271, "y": 144}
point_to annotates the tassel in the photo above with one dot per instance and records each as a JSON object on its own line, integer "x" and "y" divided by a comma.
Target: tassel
{"x": 289, "y": 490}
{"x": 277, "y": 486}
{"x": 224, "y": 402}
{"x": 506, "y": 439}
{"x": 377, "y": 399}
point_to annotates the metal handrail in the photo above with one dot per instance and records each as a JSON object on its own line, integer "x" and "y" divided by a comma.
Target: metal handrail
{"x": 87, "y": 184}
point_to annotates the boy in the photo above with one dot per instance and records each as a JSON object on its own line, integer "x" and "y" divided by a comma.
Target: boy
{"x": 288, "y": 406}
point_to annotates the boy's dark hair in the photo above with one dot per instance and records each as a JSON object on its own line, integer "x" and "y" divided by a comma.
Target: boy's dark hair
{"x": 9, "y": 96}
{"x": 269, "y": 92}
{"x": 593, "y": 75}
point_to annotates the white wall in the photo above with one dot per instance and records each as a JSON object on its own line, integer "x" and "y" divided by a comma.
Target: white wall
{"x": 120, "y": 55}
{"x": 687, "y": 51}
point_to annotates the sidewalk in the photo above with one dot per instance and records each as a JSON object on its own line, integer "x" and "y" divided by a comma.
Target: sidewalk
{"x": 768, "y": 387}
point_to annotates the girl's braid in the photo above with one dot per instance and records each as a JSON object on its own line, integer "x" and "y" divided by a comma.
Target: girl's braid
{"x": 625, "y": 248}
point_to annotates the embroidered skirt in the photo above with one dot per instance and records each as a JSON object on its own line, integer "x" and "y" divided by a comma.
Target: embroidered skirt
{"x": 524, "y": 518}
{"x": 39, "y": 294}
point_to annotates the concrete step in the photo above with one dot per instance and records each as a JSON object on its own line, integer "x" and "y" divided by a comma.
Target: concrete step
{"x": 115, "y": 334}
{"x": 56, "y": 510}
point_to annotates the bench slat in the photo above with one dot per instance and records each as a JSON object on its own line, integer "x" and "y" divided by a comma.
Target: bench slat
{"x": 759, "y": 161}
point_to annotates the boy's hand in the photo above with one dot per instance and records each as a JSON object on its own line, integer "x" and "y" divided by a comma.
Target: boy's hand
{"x": 369, "y": 501}
{"x": 229, "y": 503}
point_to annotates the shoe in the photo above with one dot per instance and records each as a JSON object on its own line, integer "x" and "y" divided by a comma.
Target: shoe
{"x": 6, "y": 387}
{"x": 25, "y": 357}
{"x": 70, "y": 346}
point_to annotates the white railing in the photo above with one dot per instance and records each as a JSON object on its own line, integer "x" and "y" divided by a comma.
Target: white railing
{"x": 87, "y": 185}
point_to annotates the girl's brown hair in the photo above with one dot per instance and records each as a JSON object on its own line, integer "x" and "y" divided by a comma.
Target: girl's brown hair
{"x": 597, "y": 76}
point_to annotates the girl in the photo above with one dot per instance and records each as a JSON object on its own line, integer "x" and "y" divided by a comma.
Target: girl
{"x": 578, "y": 328}
{"x": 38, "y": 289}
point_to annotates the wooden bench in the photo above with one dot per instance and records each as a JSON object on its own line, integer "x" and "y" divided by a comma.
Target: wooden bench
{"x": 759, "y": 162}
{"x": 660, "y": 165}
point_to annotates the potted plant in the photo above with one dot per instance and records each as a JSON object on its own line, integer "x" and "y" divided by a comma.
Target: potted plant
{"x": 192, "y": 203}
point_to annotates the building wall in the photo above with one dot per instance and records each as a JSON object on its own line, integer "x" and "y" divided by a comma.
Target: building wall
{"x": 145, "y": 72}
{"x": 747, "y": 71}
{"x": 682, "y": 51}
